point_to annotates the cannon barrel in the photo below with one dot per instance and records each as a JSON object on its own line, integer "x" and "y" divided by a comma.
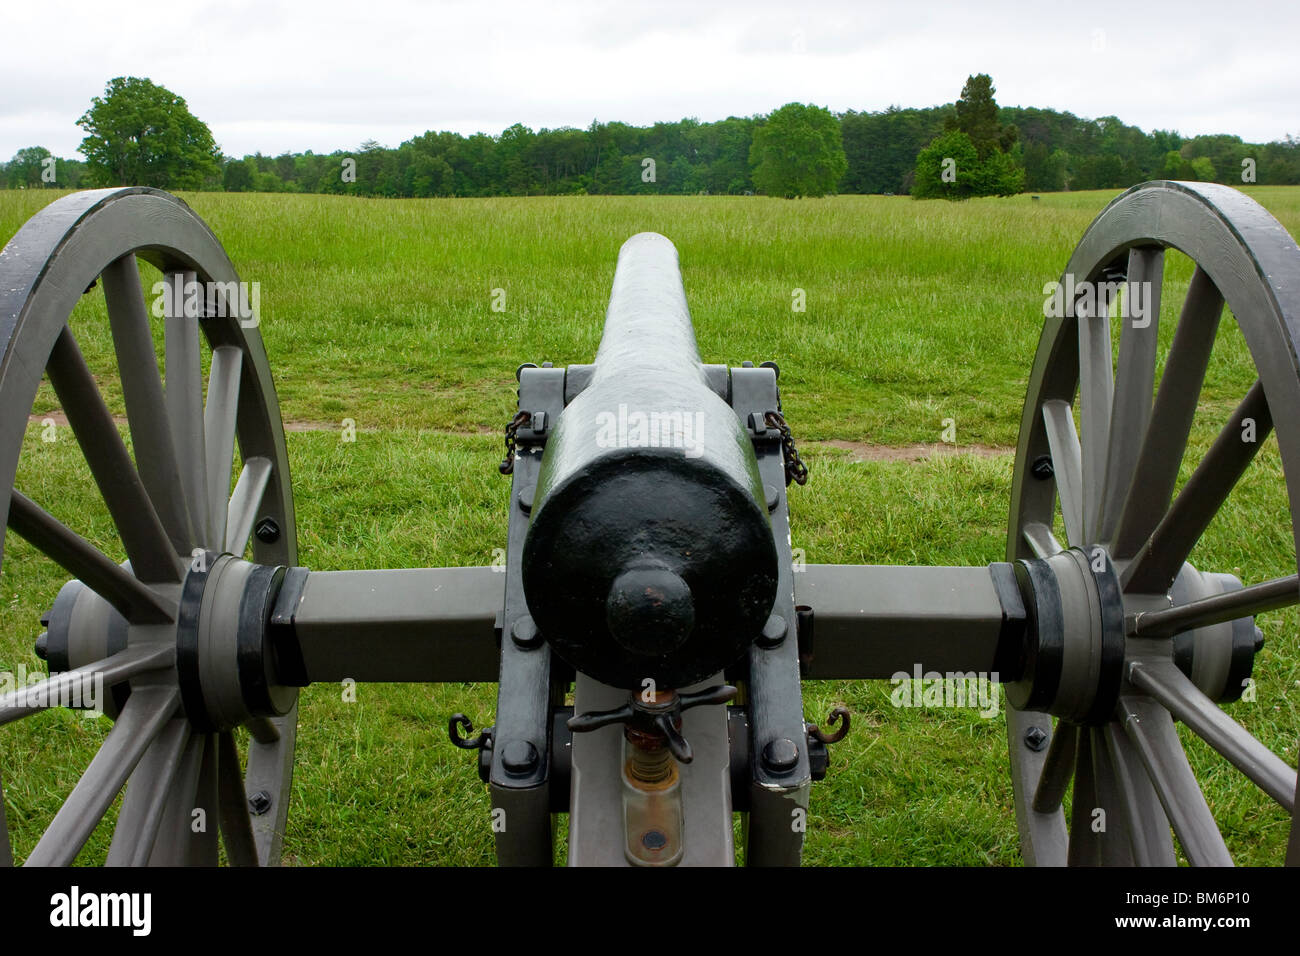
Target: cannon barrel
{"x": 649, "y": 553}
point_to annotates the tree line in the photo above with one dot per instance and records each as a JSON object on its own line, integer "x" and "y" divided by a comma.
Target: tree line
{"x": 969, "y": 147}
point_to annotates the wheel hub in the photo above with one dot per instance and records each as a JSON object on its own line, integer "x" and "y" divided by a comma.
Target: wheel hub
{"x": 1074, "y": 652}
{"x": 225, "y": 664}
{"x": 1077, "y": 641}
{"x": 224, "y": 660}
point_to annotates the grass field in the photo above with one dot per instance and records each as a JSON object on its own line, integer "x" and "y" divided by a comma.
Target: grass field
{"x": 916, "y": 312}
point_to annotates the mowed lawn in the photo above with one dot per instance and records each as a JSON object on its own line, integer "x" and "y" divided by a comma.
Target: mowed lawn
{"x": 382, "y": 312}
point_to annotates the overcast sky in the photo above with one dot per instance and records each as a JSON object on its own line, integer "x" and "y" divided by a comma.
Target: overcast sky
{"x": 328, "y": 74}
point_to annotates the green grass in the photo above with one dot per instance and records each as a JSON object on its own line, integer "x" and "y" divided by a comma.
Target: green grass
{"x": 381, "y": 311}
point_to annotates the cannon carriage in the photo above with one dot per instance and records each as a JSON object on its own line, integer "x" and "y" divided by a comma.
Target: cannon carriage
{"x": 648, "y": 566}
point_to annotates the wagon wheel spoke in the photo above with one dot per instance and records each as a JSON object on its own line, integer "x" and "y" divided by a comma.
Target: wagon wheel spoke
{"x": 1047, "y": 842}
{"x": 263, "y": 730}
{"x": 236, "y": 827}
{"x": 177, "y": 842}
{"x": 1165, "y": 438}
{"x": 1096, "y": 389}
{"x": 1085, "y": 844}
{"x": 204, "y": 839}
{"x": 1149, "y": 839}
{"x": 131, "y": 597}
{"x": 1113, "y": 839}
{"x": 1068, "y": 464}
{"x": 146, "y": 409}
{"x": 1152, "y": 733}
{"x": 219, "y": 419}
{"x": 1185, "y": 701}
{"x": 145, "y": 800}
{"x": 244, "y": 502}
{"x": 123, "y": 665}
{"x": 146, "y": 712}
{"x": 1168, "y": 545}
{"x": 1041, "y": 541}
{"x": 1134, "y": 381}
{"x": 184, "y": 397}
{"x": 151, "y": 552}
{"x": 1247, "y": 602}
{"x": 1058, "y": 768}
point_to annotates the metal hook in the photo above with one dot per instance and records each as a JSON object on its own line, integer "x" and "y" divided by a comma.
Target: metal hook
{"x": 462, "y": 722}
{"x": 839, "y": 715}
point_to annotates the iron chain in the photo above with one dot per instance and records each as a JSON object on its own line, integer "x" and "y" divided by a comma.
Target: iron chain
{"x": 507, "y": 465}
{"x": 795, "y": 469}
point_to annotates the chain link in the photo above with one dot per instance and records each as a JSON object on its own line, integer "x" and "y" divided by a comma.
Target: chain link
{"x": 795, "y": 469}
{"x": 507, "y": 465}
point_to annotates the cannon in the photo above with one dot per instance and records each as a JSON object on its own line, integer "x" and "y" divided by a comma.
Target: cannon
{"x": 648, "y": 567}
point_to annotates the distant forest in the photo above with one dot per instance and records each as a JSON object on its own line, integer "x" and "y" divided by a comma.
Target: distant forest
{"x": 1057, "y": 150}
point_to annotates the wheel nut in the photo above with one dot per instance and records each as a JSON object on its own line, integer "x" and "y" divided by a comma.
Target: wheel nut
{"x": 259, "y": 803}
{"x": 268, "y": 532}
{"x": 1035, "y": 738}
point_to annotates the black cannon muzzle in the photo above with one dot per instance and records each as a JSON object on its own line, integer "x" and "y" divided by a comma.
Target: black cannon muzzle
{"x": 650, "y": 552}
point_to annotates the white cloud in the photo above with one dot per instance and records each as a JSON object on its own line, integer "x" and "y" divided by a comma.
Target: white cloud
{"x": 275, "y": 76}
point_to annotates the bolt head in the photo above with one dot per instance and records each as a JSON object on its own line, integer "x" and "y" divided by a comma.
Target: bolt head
{"x": 267, "y": 531}
{"x": 1042, "y": 468}
{"x": 259, "y": 803}
{"x": 781, "y": 756}
{"x": 1035, "y": 738}
{"x": 773, "y": 631}
{"x": 525, "y": 634}
{"x": 519, "y": 757}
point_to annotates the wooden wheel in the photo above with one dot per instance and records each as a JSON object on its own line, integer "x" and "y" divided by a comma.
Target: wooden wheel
{"x": 1151, "y": 634}
{"x": 155, "y": 629}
